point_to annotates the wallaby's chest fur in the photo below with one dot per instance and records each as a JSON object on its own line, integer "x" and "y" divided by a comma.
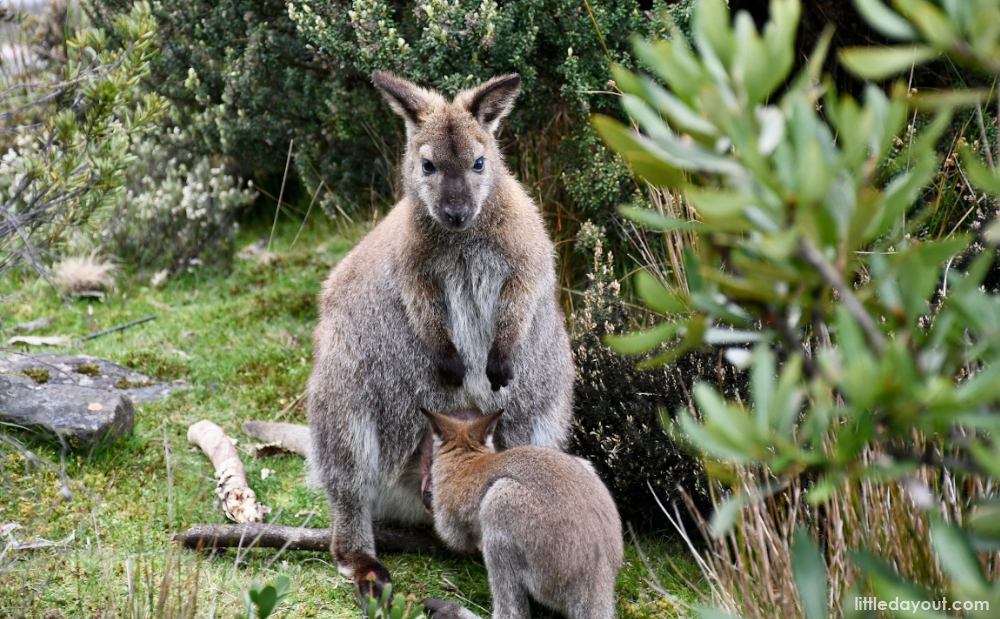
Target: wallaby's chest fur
{"x": 469, "y": 279}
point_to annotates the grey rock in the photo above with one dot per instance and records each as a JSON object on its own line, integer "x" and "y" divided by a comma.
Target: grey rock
{"x": 86, "y": 400}
{"x": 97, "y": 374}
{"x": 86, "y": 418}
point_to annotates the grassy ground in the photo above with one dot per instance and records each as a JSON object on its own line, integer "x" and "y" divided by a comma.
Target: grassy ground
{"x": 243, "y": 341}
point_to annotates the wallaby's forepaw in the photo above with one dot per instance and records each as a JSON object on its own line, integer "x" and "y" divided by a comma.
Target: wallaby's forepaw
{"x": 499, "y": 369}
{"x": 450, "y": 366}
{"x": 440, "y": 609}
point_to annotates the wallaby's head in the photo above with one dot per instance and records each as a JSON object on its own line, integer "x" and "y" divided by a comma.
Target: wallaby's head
{"x": 452, "y": 161}
{"x": 463, "y": 431}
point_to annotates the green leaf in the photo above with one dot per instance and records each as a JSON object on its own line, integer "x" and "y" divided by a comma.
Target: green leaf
{"x": 886, "y": 21}
{"x": 724, "y": 517}
{"x": 635, "y": 149}
{"x": 876, "y": 63}
{"x": 638, "y": 342}
{"x": 656, "y": 296}
{"x": 985, "y": 518}
{"x": 721, "y": 210}
{"x": 978, "y": 173}
{"x": 822, "y": 490}
{"x": 933, "y": 101}
{"x": 711, "y": 613}
{"x": 677, "y": 112}
{"x": 652, "y": 219}
{"x": 931, "y": 21}
{"x": 956, "y": 555}
{"x": 282, "y": 584}
{"x": 711, "y": 25}
{"x": 809, "y": 571}
{"x": 762, "y": 385}
{"x": 265, "y": 600}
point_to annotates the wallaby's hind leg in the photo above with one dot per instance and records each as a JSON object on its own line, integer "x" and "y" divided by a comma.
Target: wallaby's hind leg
{"x": 353, "y": 544}
{"x": 597, "y": 606}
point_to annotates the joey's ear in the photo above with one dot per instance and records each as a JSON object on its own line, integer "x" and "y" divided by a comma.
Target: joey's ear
{"x": 491, "y": 101}
{"x": 440, "y": 425}
{"x": 406, "y": 98}
{"x": 484, "y": 428}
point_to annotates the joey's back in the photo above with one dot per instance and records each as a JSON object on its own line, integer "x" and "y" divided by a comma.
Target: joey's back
{"x": 546, "y": 524}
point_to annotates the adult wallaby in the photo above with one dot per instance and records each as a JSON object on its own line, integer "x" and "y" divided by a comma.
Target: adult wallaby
{"x": 449, "y": 303}
{"x": 546, "y": 524}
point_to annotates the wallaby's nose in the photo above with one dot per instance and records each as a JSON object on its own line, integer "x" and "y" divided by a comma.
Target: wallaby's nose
{"x": 456, "y": 216}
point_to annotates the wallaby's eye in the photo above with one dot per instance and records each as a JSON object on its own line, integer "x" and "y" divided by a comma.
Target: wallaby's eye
{"x": 479, "y": 165}
{"x": 428, "y": 167}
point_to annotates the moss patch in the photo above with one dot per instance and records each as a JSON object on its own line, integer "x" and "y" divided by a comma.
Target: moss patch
{"x": 39, "y": 375}
{"x": 90, "y": 369}
{"x": 124, "y": 383}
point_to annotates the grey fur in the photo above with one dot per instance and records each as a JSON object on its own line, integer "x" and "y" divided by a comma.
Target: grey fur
{"x": 381, "y": 353}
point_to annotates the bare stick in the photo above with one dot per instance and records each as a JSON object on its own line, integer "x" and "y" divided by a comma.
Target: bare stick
{"x": 281, "y": 194}
{"x": 306, "y": 218}
{"x": 118, "y": 328}
{"x": 387, "y": 539}
{"x": 291, "y": 437}
{"x": 815, "y": 258}
{"x": 238, "y": 501}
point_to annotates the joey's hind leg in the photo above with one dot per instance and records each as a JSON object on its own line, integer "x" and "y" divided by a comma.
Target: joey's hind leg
{"x": 510, "y": 598}
{"x": 440, "y": 609}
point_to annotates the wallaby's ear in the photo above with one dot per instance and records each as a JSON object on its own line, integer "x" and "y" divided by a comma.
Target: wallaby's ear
{"x": 484, "y": 428}
{"x": 406, "y": 98}
{"x": 491, "y": 101}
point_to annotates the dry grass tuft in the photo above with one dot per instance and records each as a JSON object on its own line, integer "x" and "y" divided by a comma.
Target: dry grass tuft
{"x": 85, "y": 274}
{"x": 749, "y": 571}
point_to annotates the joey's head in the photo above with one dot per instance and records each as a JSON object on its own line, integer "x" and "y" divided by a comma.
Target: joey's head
{"x": 462, "y": 432}
{"x": 452, "y": 161}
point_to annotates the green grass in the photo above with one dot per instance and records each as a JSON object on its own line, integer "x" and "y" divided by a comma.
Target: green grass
{"x": 242, "y": 339}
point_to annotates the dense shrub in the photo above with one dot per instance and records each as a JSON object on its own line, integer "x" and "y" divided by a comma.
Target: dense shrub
{"x": 242, "y": 81}
{"x": 71, "y": 108}
{"x": 248, "y": 76}
{"x": 617, "y": 415}
{"x": 867, "y": 461}
{"x": 177, "y": 208}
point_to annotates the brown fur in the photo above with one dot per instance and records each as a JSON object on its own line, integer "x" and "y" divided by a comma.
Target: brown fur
{"x": 449, "y": 303}
{"x": 546, "y": 525}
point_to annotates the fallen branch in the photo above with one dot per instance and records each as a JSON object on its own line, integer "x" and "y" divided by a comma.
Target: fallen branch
{"x": 387, "y": 539}
{"x": 118, "y": 328}
{"x": 28, "y": 327}
{"x": 290, "y": 437}
{"x": 239, "y": 502}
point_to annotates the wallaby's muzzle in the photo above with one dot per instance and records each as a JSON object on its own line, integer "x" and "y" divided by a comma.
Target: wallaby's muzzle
{"x": 456, "y": 217}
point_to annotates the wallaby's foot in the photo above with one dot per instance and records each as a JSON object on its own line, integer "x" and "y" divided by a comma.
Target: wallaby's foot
{"x": 450, "y": 366}
{"x": 499, "y": 368}
{"x": 370, "y": 577}
{"x": 440, "y": 609}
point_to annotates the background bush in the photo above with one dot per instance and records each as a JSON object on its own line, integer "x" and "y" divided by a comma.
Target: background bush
{"x": 177, "y": 208}
{"x": 617, "y": 422}
{"x": 248, "y": 76}
{"x": 71, "y": 105}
